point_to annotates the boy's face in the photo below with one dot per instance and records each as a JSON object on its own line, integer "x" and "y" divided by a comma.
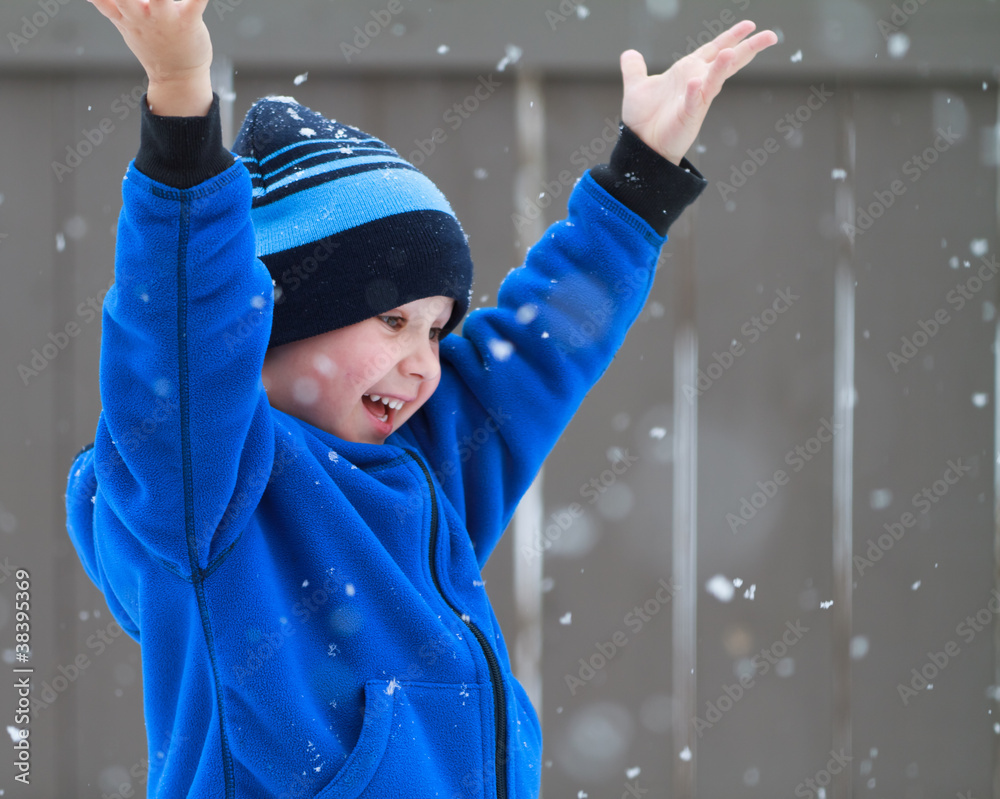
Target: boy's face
{"x": 326, "y": 379}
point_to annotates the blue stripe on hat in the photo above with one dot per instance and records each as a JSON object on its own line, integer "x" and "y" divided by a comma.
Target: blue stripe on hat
{"x": 337, "y": 153}
{"x": 307, "y": 142}
{"x": 330, "y": 166}
{"x": 354, "y": 200}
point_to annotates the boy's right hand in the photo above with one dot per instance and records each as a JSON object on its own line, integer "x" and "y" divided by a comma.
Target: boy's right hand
{"x": 173, "y": 45}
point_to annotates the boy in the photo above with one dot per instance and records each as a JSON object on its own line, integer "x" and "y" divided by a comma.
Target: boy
{"x": 299, "y": 558}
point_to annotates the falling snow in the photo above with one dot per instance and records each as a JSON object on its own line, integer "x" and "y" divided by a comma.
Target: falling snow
{"x": 300, "y": 79}
{"x": 720, "y": 587}
{"x": 512, "y": 56}
{"x": 501, "y": 349}
{"x": 305, "y": 390}
{"x": 685, "y": 753}
{"x": 898, "y": 45}
{"x": 526, "y": 313}
{"x": 796, "y": 56}
{"x": 566, "y": 618}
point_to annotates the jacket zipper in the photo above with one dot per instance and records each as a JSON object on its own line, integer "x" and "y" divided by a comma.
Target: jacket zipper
{"x": 496, "y": 678}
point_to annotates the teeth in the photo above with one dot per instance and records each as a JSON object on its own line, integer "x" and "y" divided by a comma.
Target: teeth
{"x": 388, "y": 402}
{"x": 392, "y": 403}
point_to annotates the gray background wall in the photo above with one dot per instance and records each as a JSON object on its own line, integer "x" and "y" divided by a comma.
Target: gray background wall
{"x": 825, "y": 357}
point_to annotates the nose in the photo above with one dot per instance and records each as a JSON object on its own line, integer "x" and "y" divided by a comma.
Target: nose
{"x": 421, "y": 359}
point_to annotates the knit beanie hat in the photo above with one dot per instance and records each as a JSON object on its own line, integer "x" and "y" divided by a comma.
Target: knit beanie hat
{"x": 347, "y": 228}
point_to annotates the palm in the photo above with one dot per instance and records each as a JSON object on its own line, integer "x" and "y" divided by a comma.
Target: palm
{"x": 169, "y": 38}
{"x": 666, "y": 110}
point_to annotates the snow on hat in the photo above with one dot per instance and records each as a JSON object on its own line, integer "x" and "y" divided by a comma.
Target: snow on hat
{"x": 347, "y": 228}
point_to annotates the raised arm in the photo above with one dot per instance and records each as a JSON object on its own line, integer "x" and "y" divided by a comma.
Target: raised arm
{"x": 184, "y": 444}
{"x": 519, "y": 371}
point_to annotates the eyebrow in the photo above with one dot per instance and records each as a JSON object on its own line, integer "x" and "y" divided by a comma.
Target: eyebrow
{"x": 399, "y": 311}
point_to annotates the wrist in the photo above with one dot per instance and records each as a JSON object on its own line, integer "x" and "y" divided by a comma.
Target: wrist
{"x": 189, "y": 96}
{"x": 647, "y": 182}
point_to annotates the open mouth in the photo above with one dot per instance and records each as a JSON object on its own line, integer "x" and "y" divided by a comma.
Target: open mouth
{"x": 379, "y": 411}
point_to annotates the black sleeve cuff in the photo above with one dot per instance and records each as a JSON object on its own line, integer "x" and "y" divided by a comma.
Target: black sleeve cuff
{"x": 647, "y": 183}
{"x": 182, "y": 151}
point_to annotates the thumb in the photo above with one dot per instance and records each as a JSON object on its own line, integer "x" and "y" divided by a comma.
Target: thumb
{"x": 633, "y": 67}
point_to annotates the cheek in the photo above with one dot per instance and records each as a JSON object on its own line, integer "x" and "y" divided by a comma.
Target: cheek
{"x": 365, "y": 366}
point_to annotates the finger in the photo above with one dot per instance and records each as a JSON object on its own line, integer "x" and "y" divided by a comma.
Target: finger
{"x": 132, "y": 9}
{"x": 720, "y": 69}
{"x": 633, "y": 67}
{"x": 692, "y": 96}
{"x": 745, "y": 51}
{"x": 108, "y": 9}
{"x": 729, "y": 38}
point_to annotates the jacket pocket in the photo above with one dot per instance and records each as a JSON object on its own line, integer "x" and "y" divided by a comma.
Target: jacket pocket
{"x": 417, "y": 739}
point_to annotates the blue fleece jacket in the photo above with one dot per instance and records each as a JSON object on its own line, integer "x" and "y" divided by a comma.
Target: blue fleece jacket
{"x": 311, "y": 611}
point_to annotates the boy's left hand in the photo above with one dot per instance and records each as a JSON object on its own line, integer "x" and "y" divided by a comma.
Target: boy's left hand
{"x": 666, "y": 111}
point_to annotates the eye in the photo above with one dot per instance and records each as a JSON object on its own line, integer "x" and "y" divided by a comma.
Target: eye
{"x": 399, "y": 318}
{"x": 440, "y": 332}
